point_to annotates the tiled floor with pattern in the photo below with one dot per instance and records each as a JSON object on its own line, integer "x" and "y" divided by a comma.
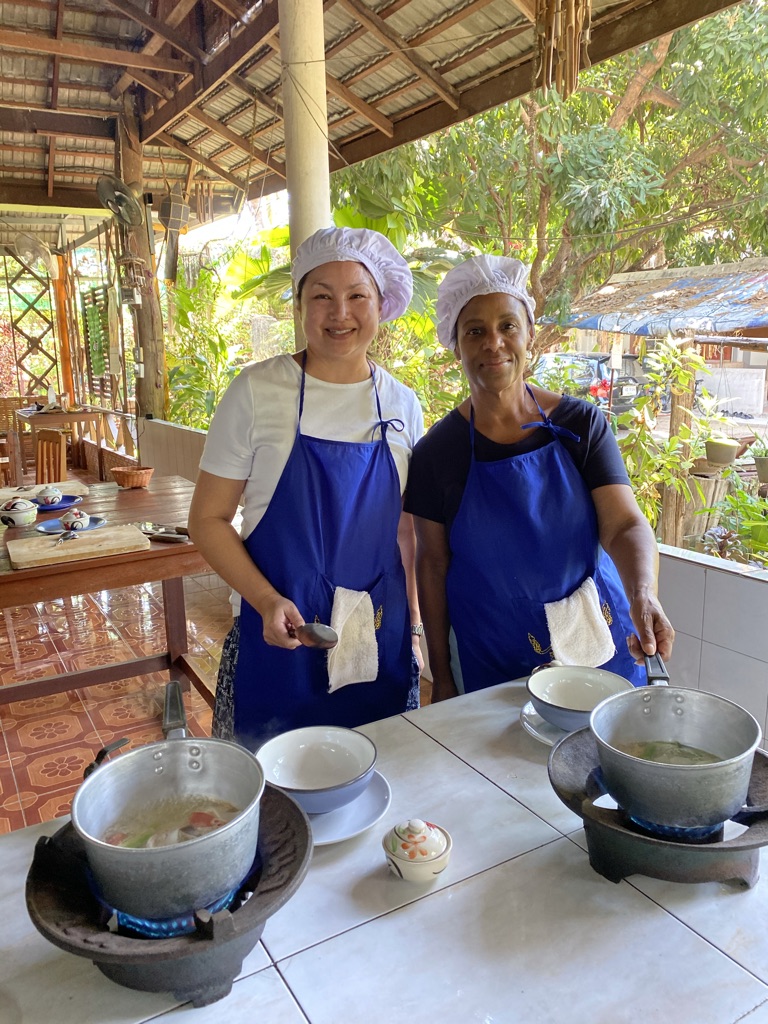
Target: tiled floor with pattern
{"x": 46, "y": 743}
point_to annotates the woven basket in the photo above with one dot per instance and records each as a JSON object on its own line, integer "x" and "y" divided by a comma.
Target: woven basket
{"x": 132, "y": 476}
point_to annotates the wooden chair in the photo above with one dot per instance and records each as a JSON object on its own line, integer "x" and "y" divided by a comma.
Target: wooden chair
{"x": 50, "y": 456}
{"x": 11, "y": 471}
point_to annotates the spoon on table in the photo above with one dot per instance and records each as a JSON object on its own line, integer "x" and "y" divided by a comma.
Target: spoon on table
{"x": 315, "y": 634}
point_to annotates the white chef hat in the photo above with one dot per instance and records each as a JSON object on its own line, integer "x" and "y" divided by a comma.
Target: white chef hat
{"x": 480, "y": 275}
{"x": 359, "y": 245}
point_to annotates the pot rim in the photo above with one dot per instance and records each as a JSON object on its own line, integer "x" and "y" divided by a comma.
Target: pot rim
{"x": 642, "y": 691}
{"x": 149, "y": 748}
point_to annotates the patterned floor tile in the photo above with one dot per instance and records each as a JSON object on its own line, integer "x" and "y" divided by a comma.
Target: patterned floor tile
{"x": 46, "y": 743}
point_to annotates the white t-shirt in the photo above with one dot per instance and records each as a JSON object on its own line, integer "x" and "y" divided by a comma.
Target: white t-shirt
{"x": 254, "y": 426}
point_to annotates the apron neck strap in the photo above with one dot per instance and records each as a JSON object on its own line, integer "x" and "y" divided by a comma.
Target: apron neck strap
{"x": 544, "y": 422}
{"x": 396, "y": 424}
{"x": 547, "y": 423}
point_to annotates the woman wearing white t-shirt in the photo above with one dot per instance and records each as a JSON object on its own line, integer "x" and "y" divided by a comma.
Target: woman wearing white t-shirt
{"x": 316, "y": 447}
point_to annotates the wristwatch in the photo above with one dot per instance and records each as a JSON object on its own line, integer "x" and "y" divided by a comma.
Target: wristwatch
{"x": 417, "y": 630}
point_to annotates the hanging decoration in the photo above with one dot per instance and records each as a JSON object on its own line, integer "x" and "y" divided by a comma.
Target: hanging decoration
{"x": 562, "y": 43}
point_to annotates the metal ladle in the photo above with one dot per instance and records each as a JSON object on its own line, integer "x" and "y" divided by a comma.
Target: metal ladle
{"x": 315, "y": 634}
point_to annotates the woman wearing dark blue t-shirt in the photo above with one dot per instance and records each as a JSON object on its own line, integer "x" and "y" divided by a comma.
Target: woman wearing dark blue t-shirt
{"x": 531, "y": 546}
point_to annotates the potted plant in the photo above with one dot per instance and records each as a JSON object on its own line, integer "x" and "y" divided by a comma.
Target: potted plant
{"x": 759, "y": 452}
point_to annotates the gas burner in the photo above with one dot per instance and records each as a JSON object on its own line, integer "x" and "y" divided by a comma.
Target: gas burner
{"x": 619, "y": 847}
{"x": 199, "y": 967}
{"x": 676, "y": 833}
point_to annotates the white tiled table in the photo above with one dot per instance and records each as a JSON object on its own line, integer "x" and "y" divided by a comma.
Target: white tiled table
{"x": 518, "y": 930}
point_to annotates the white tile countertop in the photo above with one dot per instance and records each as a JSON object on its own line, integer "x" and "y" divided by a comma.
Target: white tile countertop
{"x": 518, "y": 930}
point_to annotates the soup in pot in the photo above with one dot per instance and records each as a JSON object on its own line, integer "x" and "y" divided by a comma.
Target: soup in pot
{"x": 170, "y": 821}
{"x": 667, "y": 752}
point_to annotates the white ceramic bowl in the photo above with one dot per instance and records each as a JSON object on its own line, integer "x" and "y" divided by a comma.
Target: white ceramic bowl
{"x": 566, "y": 695}
{"x": 321, "y": 766}
{"x": 75, "y": 519}
{"x": 49, "y": 495}
{"x": 417, "y": 851}
{"x": 18, "y": 512}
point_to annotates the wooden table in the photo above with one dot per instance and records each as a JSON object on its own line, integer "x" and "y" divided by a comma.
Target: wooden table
{"x": 165, "y": 501}
{"x": 75, "y": 422}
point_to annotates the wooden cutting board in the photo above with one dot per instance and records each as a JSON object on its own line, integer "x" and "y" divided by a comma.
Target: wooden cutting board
{"x": 43, "y": 549}
{"x": 65, "y": 486}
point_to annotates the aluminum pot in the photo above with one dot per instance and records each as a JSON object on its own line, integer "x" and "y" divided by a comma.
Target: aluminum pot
{"x": 686, "y": 796}
{"x": 167, "y": 881}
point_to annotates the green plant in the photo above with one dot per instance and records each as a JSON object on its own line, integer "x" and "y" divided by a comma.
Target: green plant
{"x": 759, "y": 448}
{"x": 202, "y": 352}
{"x": 742, "y": 514}
{"x": 655, "y": 463}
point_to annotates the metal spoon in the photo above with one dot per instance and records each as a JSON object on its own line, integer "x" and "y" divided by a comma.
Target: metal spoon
{"x": 315, "y": 634}
{"x": 69, "y": 535}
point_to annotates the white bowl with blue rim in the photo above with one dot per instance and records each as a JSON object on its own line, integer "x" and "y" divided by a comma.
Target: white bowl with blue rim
{"x": 322, "y": 767}
{"x": 566, "y": 695}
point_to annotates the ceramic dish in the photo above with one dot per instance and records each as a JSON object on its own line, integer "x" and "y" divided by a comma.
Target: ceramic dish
{"x": 355, "y": 817}
{"x": 539, "y": 728}
{"x": 53, "y": 526}
{"x": 67, "y": 500}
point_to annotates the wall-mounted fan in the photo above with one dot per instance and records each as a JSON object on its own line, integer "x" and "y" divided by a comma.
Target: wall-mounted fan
{"x": 34, "y": 253}
{"x": 120, "y": 200}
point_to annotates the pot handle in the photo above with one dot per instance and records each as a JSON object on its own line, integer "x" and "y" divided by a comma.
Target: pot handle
{"x": 91, "y": 768}
{"x": 749, "y": 815}
{"x": 656, "y": 670}
{"x": 174, "y": 715}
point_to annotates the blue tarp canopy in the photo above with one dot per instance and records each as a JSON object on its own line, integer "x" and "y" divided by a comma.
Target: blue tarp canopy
{"x": 710, "y": 300}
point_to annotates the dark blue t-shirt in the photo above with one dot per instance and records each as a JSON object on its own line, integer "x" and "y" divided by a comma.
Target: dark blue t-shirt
{"x": 440, "y": 462}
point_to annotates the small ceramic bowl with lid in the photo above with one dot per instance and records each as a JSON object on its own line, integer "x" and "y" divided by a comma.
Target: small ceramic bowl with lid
{"x": 75, "y": 519}
{"x": 417, "y": 851}
{"x": 49, "y": 495}
{"x": 18, "y": 512}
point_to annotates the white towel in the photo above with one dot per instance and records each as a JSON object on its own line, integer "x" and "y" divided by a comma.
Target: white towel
{"x": 355, "y": 658}
{"x": 578, "y": 631}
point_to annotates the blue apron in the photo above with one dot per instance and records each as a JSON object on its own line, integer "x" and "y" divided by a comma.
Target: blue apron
{"x": 332, "y": 521}
{"x": 526, "y": 534}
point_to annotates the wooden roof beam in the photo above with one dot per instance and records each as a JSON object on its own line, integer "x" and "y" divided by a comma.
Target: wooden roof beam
{"x": 219, "y": 68}
{"x": 345, "y": 94}
{"x": 391, "y": 39}
{"x": 28, "y": 42}
{"x": 56, "y": 122}
{"x": 234, "y": 10}
{"x": 175, "y": 16}
{"x": 241, "y": 83}
{"x": 192, "y": 154}
{"x": 237, "y": 141}
{"x": 159, "y": 28}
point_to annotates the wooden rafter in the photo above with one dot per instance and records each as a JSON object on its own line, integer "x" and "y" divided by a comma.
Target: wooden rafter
{"x": 233, "y": 9}
{"x": 174, "y": 18}
{"x": 159, "y": 28}
{"x": 241, "y": 83}
{"x": 391, "y": 39}
{"x": 193, "y": 154}
{"x": 87, "y": 54}
{"x": 59, "y": 122}
{"x": 58, "y": 33}
{"x": 229, "y": 59}
{"x": 237, "y": 141}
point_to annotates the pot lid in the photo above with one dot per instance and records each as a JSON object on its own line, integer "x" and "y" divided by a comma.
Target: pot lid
{"x": 416, "y": 839}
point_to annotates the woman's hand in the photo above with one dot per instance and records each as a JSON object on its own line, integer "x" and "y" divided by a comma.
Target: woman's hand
{"x": 416, "y": 644}
{"x": 280, "y": 617}
{"x": 654, "y": 630}
{"x": 443, "y": 687}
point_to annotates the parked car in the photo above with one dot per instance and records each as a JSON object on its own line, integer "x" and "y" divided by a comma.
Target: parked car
{"x": 588, "y": 375}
